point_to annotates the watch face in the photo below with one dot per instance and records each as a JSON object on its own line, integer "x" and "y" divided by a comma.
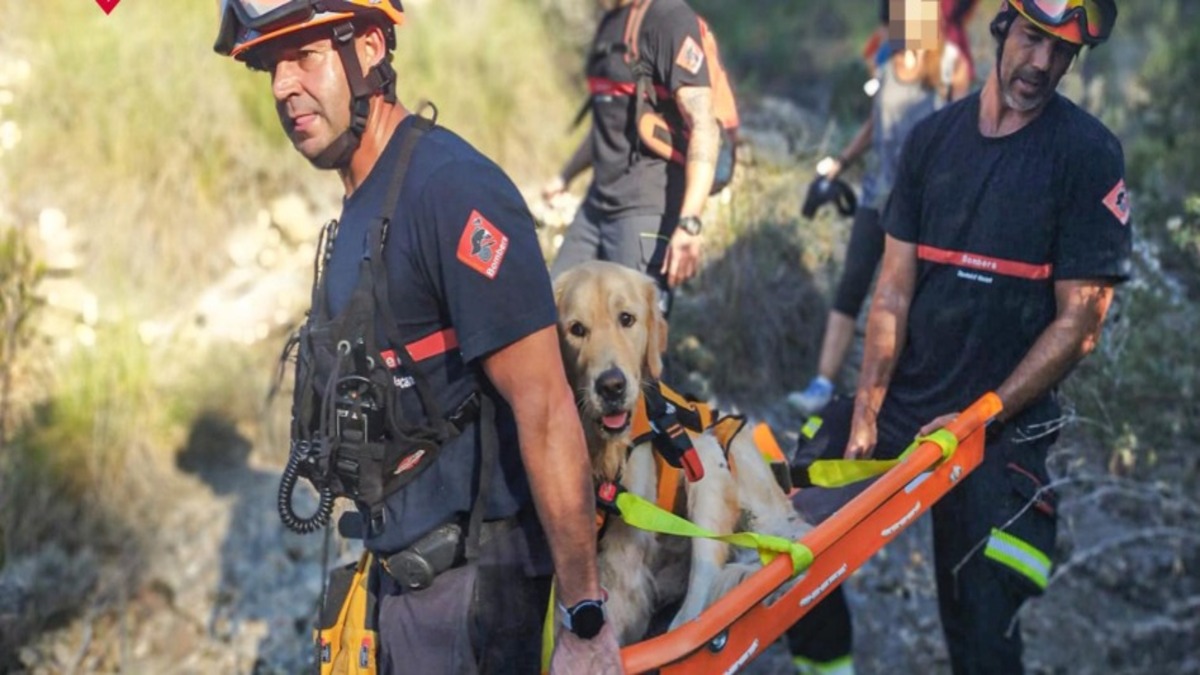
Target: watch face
{"x": 690, "y": 224}
{"x": 587, "y": 619}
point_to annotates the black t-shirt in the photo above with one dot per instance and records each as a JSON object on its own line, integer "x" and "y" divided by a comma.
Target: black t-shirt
{"x": 670, "y": 43}
{"x": 461, "y": 253}
{"x": 997, "y": 221}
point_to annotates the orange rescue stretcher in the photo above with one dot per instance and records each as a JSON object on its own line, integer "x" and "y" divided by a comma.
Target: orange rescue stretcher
{"x": 740, "y": 626}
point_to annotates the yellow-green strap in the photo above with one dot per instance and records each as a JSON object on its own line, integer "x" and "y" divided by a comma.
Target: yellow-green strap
{"x": 645, "y": 515}
{"x": 832, "y": 473}
{"x": 548, "y": 632}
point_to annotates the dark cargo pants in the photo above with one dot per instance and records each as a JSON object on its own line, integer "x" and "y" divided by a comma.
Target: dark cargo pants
{"x": 482, "y": 618}
{"x": 1003, "y": 563}
{"x": 637, "y": 242}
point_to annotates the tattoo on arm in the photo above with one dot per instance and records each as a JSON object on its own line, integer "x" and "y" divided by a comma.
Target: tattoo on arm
{"x": 697, "y": 107}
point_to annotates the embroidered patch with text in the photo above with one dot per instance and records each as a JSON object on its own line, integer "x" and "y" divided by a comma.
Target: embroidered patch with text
{"x": 691, "y": 56}
{"x": 1117, "y": 201}
{"x": 482, "y": 245}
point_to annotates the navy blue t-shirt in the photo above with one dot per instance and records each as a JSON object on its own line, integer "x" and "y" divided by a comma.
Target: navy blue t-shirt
{"x": 997, "y": 221}
{"x": 461, "y": 253}
{"x": 670, "y": 42}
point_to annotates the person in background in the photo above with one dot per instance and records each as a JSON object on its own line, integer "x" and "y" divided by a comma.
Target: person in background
{"x": 921, "y": 73}
{"x": 641, "y": 210}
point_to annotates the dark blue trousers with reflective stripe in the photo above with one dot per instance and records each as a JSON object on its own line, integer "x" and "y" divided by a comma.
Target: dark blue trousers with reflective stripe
{"x": 977, "y": 603}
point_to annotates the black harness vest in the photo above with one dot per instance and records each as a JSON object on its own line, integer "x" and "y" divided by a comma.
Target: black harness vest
{"x": 350, "y": 436}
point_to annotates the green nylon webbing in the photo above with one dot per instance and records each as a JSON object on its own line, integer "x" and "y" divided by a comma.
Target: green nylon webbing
{"x": 832, "y": 473}
{"x": 645, "y": 515}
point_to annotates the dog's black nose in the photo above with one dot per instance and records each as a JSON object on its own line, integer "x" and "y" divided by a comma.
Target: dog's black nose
{"x": 611, "y": 385}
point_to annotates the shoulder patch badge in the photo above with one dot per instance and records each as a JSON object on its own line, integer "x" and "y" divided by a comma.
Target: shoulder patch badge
{"x": 1117, "y": 201}
{"x": 482, "y": 245}
{"x": 691, "y": 56}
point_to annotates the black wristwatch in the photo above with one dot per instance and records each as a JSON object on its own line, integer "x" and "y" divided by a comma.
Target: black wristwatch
{"x": 691, "y": 225}
{"x": 584, "y": 618}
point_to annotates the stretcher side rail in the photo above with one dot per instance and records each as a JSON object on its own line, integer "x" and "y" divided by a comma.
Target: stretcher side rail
{"x": 740, "y": 626}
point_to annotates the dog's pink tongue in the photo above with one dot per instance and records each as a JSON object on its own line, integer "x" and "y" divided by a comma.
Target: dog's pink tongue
{"x": 615, "y": 421}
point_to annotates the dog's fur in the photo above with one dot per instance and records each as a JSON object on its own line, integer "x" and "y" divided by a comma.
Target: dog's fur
{"x": 612, "y": 336}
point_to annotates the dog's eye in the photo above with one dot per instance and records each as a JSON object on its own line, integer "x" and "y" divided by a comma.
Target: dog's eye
{"x": 577, "y": 329}
{"x": 627, "y": 319}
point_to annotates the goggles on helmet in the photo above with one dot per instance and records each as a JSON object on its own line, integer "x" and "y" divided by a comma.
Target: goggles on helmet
{"x": 1081, "y": 22}
{"x": 246, "y": 22}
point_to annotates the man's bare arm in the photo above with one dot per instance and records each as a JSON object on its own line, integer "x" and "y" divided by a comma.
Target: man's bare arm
{"x": 697, "y": 107}
{"x": 886, "y": 325}
{"x": 529, "y": 374}
{"x": 682, "y": 260}
{"x": 1074, "y": 333}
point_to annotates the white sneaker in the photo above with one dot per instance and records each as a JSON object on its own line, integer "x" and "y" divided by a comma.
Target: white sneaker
{"x": 814, "y": 397}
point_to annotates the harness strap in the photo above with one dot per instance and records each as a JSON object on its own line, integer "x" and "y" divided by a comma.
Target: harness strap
{"x": 489, "y": 444}
{"x": 670, "y": 437}
{"x": 377, "y": 239}
{"x": 644, "y": 515}
{"x": 839, "y": 472}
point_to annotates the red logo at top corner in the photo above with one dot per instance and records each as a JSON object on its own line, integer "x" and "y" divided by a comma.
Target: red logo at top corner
{"x": 108, "y": 5}
{"x": 1117, "y": 201}
{"x": 690, "y": 56}
{"x": 482, "y": 245}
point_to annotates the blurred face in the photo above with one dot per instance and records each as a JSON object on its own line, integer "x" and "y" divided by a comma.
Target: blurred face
{"x": 1031, "y": 65}
{"x": 913, "y": 24}
{"x": 312, "y": 96}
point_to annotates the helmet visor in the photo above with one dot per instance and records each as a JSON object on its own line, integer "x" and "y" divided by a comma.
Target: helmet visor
{"x": 239, "y": 16}
{"x": 1094, "y": 19}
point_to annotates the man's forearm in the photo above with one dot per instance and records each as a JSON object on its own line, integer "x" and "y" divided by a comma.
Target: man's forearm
{"x": 887, "y": 322}
{"x": 1072, "y": 335}
{"x": 555, "y": 457}
{"x": 703, "y": 145}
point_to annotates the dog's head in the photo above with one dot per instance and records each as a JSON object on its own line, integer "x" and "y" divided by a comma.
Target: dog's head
{"x": 612, "y": 336}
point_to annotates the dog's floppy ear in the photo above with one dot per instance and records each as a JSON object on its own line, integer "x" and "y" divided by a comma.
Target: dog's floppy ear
{"x": 656, "y": 330}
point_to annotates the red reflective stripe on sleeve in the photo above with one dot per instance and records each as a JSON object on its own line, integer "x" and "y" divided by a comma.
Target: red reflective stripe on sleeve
{"x": 427, "y": 347}
{"x": 1009, "y": 268}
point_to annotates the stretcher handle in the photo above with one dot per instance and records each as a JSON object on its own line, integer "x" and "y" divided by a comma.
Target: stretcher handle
{"x": 650, "y": 654}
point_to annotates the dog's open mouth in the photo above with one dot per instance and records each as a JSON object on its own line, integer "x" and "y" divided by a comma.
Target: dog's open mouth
{"x": 615, "y": 422}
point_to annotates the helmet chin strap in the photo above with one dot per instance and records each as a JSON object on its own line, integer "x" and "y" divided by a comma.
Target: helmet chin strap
{"x": 380, "y": 78}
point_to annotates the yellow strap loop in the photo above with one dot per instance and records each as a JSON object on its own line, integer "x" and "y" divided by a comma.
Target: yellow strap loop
{"x": 833, "y": 473}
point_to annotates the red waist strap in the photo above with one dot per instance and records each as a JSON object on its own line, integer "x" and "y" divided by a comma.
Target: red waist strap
{"x": 601, "y": 86}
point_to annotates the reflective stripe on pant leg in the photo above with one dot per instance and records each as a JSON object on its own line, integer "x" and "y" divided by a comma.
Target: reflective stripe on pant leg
{"x": 1021, "y": 556}
{"x": 839, "y": 666}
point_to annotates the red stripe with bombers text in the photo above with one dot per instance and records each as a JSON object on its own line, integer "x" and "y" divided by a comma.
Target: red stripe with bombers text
{"x": 983, "y": 263}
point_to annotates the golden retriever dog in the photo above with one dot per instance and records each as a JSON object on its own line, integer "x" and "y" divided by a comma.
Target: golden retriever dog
{"x": 613, "y": 336}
